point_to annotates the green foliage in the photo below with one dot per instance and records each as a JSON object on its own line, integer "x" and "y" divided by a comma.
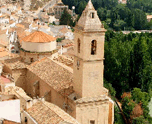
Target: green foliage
{"x": 142, "y": 97}
{"x": 82, "y": 6}
{"x": 140, "y": 19}
{"x": 118, "y": 119}
{"x": 102, "y": 13}
{"x": 140, "y": 120}
{"x": 127, "y": 106}
{"x": 110, "y": 88}
{"x": 139, "y": 96}
{"x": 59, "y": 39}
{"x": 66, "y": 19}
{"x": 128, "y": 61}
{"x": 131, "y": 16}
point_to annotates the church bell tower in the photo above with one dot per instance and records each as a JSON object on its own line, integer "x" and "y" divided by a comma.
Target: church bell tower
{"x": 89, "y": 54}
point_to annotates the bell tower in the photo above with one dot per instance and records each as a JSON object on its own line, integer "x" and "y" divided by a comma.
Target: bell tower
{"x": 89, "y": 54}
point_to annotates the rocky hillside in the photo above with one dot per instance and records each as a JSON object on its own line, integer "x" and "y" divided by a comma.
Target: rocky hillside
{"x": 35, "y": 4}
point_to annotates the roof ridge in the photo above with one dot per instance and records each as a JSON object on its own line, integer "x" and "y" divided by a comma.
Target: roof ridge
{"x": 38, "y": 37}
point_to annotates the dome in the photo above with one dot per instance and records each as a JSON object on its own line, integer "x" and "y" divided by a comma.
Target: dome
{"x": 38, "y": 37}
{"x": 38, "y": 42}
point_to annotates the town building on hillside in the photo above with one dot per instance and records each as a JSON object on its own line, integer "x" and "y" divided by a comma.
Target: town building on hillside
{"x": 149, "y": 18}
{"x": 122, "y": 1}
{"x": 57, "y": 9}
{"x": 27, "y": 4}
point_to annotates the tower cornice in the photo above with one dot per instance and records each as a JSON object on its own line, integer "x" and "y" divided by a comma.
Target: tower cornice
{"x": 81, "y": 30}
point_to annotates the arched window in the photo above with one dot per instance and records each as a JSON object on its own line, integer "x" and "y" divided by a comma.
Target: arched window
{"x": 79, "y": 45}
{"x": 93, "y": 47}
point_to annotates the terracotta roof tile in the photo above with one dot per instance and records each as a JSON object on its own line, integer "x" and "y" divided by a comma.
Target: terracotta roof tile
{"x": 9, "y": 122}
{"x": 65, "y": 30}
{"x": 46, "y": 113}
{"x": 4, "y": 80}
{"x": 14, "y": 63}
{"x": 64, "y": 60}
{"x": 38, "y": 37}
{"x": 55, "y": 75}
{"x": 4, "y": 53}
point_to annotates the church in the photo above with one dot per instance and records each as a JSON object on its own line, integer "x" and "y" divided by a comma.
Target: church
{"x": 78, "y": 90}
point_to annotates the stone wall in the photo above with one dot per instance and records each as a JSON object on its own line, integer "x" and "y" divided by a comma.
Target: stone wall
{"x": 6, "y": 69}
{"x": 111, "y": 113}
{"x": 45, "y": 90}
{"x": 19, "y": 76}
{"x": 32, "y": 57}
{"x": 96, "y": 112}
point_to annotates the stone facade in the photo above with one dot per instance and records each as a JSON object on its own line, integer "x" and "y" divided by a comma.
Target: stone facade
{"x": 29, "y": 57}
{"x": 36, "y": 46}
{"x": 89, "y": 54}
{"x": 95, "y": 112}
{"x": 57, "y": 9}
{"x": 27, "y": 4}
{"x": 93, "y": 106}
{"x": 45, "y": 91}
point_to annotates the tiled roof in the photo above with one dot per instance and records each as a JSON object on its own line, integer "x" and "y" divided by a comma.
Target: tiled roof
{"x": 25, "y": 24}
{"x": 48, "y": 113}
{"x": 38, "y": 37}
{"x": 65, "y": 30}
{"x": 4, "y": 80}
{"x": 4, "y": 53}
{"x": 9, "y": 122}
{"x": 55, "y": 75}
{"x": 64, "y": 60}
{"x": 14, "y": 63}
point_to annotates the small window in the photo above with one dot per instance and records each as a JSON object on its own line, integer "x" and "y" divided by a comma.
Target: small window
{"x": 92, "y": 15}
{"x": 93, "y": 47}
{"x": 32, "y": 60}
{"x": 92, "y": 121}
{"x": 78, "y": 64}
{"x": 79, "y": 45}
{"x": 25, "y": 120}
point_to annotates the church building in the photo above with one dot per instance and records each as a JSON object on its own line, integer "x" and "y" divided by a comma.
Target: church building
{"x": 78, "y": 90}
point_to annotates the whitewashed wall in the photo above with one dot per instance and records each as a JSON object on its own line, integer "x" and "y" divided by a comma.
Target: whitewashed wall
{"x": 10, "y": 110}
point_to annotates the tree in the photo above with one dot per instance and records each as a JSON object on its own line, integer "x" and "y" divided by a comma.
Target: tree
{"x": 102, "y": 13}
{"x": 140, "y": 71}
{"x": 140, "y": 19}
{"x": 127, "y": 106}
{"x": 140, "y": 120}
{"x": 81, "y": 7}
{"x": 66, "y": 19}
